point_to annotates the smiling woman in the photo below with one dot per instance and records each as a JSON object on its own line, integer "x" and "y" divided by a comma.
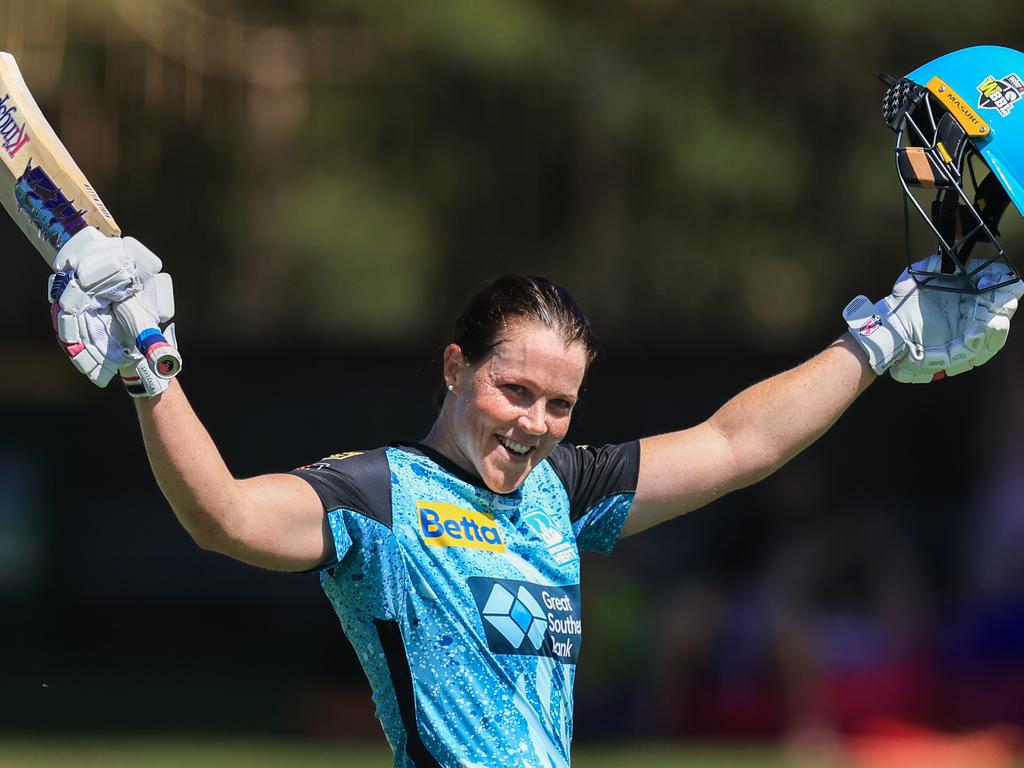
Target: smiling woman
{"x": 513, "y": 375}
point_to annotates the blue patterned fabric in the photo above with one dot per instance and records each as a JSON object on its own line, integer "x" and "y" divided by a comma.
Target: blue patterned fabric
{"x": 463, "y": 605}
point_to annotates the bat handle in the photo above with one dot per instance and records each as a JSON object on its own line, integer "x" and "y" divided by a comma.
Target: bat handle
{"x": 162, "y": 357}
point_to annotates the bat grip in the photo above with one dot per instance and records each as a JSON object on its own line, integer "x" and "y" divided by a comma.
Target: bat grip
{"x": 162, "y": 357}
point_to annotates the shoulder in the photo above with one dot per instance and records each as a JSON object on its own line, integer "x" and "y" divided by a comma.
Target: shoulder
{"x": 359, "y": 481}
{"x": 574, "y": 462}
{"x": 591, "y": 473}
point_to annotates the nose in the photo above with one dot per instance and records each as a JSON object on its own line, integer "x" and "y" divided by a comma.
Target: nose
{"x": 533, "y": 420}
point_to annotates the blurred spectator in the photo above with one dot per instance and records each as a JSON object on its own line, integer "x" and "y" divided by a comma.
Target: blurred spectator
{"x": 983, "y": 641}
{"x": 825, "y": 631}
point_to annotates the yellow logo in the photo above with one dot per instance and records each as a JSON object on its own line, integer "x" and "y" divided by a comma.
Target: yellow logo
{"x": 445, "y": 525}
{"x": 345, "y": 455}
{"x": 969, "y": 120}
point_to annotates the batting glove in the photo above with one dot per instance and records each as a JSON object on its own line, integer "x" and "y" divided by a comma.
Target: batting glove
{"x": 106, "y": 284}
{"x": 919, "y": 335}
{"x": 85, "y": 330}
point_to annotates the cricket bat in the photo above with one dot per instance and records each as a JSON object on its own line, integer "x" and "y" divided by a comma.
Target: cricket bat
{"x": 50, "y": 199}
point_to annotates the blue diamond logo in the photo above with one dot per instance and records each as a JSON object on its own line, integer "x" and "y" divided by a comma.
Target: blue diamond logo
{"x": 517, "y": 617}
{"x": 521, "y": 616}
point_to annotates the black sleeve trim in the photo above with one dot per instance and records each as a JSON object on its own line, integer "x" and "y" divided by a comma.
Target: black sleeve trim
{"x": 390, "y": 636}
{"x": 591, "y": 474}
{"x": 360, "y": 481}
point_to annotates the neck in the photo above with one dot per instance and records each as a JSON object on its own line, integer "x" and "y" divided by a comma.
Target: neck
{"x": 441, "y": 438}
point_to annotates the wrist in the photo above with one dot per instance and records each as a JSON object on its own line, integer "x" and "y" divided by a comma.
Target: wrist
{"x": 877, "y": 331}
{"x": 141, "y": 382}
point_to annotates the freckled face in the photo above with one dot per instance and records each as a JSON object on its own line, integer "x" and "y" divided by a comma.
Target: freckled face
{"x": 513, "y": 408}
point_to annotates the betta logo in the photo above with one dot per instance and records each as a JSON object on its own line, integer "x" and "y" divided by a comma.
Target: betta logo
{"x": 445, "y": 525}
{"x": 871, "y": 325}
{"x": 1001, "y": 94}
{"x": 13, "y": 135}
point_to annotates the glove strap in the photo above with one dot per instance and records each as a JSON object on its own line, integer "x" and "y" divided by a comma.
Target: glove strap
{"x": 872, "y": 328}
{"x": 140, "y": 380}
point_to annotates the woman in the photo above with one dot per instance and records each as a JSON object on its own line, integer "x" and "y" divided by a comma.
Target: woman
{"x": 453, "y": 564}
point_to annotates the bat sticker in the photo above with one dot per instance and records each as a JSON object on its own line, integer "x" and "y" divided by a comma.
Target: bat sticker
{"x": 56, "y": 217}
{"x": 14, "y": 136}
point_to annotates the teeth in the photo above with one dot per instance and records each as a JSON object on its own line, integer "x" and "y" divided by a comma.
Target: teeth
{"x": 513, "y": 446}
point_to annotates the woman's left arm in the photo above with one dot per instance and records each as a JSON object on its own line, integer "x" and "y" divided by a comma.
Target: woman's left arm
{"x": 749, "y": 437}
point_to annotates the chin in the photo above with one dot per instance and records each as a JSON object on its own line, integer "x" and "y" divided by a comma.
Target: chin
{"x": 504, "y": 482}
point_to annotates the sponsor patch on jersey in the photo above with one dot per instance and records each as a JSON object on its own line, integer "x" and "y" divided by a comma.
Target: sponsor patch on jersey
{"x": 559, "y": 546}
{"x": 445, "y": 525}
{"x": 527, "y": 619}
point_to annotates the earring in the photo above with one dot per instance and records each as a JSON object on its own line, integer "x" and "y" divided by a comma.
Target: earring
{"x": 451, "y": 387}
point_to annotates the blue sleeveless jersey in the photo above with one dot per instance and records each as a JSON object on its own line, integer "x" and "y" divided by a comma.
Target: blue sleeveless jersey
{"x": 463, "y": 605}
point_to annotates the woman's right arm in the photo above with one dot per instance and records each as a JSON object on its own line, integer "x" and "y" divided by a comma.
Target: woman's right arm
{"x": 273, "y": 521}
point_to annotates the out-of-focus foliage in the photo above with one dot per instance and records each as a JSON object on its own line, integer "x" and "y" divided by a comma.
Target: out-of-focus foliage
{"x": 353, "y": 169}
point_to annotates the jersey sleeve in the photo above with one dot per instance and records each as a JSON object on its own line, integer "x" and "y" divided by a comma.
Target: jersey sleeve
{"x": 350, "y": 484}
{"x": 601, "y": 484}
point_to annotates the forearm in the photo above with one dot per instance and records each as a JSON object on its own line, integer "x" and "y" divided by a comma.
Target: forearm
{"x": 188, "y": 467}
{"x": 771, "y": 422}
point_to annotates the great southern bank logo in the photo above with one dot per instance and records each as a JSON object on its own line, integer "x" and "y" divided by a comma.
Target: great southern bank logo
{"x": 445, "y": 525}
{"x": 518, "y": 617}
{"x": 528, "y": 619}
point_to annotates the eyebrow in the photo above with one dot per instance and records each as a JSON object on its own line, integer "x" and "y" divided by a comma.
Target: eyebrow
{"x": 527, "y": 381}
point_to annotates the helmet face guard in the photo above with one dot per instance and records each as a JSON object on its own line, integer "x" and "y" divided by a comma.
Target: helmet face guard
{"x": 960, "y": 142}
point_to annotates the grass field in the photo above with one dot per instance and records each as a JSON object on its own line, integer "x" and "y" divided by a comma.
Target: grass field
{"x": 175, "y": 753}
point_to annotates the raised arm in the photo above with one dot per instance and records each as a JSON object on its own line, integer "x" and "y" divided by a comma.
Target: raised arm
{"x": 749, "y": 437}
{"x": 274, "y": 521}
{"x": 916, "y": 334}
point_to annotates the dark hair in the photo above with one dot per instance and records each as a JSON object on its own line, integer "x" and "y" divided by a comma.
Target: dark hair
{"x": 488, "y": 315}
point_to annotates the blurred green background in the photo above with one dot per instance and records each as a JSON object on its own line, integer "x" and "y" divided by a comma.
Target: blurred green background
{"x": 328, "y": 182}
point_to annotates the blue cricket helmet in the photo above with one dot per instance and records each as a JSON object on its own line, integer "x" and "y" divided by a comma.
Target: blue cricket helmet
{"x": 959, "y": 123}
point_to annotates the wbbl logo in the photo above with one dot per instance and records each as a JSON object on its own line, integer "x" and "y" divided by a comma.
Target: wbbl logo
{"x": 526, "y": 619}
{"x": 13, "y": 135}
{"x": 1000, "y": 94}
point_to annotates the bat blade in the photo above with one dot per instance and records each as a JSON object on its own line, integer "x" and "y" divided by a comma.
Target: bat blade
{"x": 48, "y": 196}
{"x": 42, "y": 188}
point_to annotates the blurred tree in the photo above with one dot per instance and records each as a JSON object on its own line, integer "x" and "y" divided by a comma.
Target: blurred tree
{"x": 352, "y": 169}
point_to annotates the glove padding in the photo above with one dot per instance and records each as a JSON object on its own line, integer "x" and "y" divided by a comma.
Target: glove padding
{"x": 122, "y": 277}
{"x": 104, "y": 267}
{"x": 919, "y": 335}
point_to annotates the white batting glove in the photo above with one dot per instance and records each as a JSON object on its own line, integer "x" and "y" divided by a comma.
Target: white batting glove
{"x": 103, "y": 279}
{"x": 982, "y": 331}
{"x": 149, "y": 307}
{"x": 103, "y": 266}
{"x": 919, "y": 335}
{"x": 86, "y": 330}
